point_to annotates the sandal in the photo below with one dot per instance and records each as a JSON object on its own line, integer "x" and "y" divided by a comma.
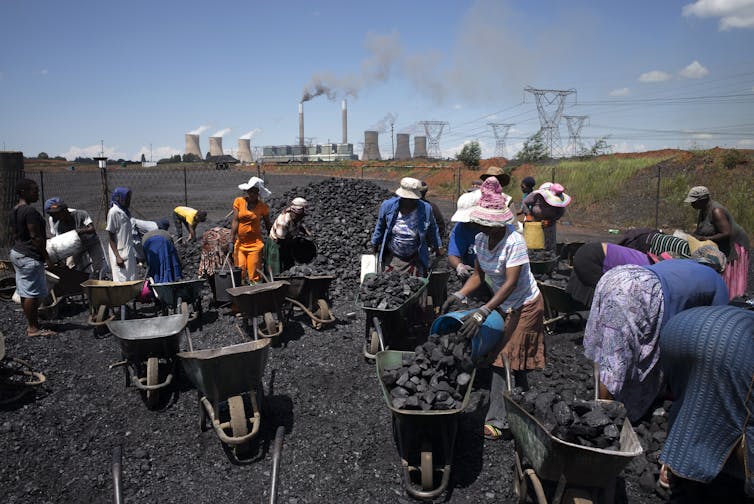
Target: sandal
{"x": 663, "y": 480}
{"x": 493, "y": 433}
{"x": 46, "y": 333}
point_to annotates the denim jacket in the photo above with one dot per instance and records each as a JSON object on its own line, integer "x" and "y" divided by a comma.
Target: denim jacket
{"x": 386, "y": 221}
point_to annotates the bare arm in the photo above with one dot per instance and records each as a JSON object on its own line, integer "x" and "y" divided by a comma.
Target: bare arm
{"x": 38, "y": 238}
{"x": 454, "y": 261}
{"x": 722, "y": 225}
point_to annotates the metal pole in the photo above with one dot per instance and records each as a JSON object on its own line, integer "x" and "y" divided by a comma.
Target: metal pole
{"x": 552, "y": 174}
{"x": 117, "y": 460}
{"x": 458, "y": 184}
{"x": 657, "y": 198}
{"x": 185, "y": 187}
{"x": 276, "y": 450}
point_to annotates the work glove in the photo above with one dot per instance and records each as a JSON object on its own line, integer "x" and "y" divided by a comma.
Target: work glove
{"x": 464, "y": 271}
{"x": 472, "y": 322}
{"x": 455, "y": 302}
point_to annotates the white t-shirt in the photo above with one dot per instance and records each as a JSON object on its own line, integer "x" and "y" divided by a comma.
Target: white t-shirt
{"x": 120, "y": 224}
{"x": 509, "y": 252}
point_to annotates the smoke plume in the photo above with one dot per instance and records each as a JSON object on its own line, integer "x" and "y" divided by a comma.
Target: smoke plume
{"x": 250, "y": 134}
{"x": 383, "y": 125}
{"x": 198, "y": 131}
{"x": 222, "y": 132}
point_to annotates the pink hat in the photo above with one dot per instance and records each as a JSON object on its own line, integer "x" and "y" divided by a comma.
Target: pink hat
{"x": 554, "y": 194}
{"x": 492, "y": 209}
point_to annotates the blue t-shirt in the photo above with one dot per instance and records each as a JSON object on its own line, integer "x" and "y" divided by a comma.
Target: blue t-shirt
{"x": 687, "y": 284}
{"x": 461, "y": 242}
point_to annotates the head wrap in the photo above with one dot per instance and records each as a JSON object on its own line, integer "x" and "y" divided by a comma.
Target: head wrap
{"x": 711, "y": 256}
{"x": 120, "y": 198}
{"x": 54, "y": 204}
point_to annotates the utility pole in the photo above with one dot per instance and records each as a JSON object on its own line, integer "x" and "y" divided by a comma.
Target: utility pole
{"x": 575, "y": 124}
{"x": 500, "y": 130}
{"x": 550, "y": 104}
{"x": 433, "y": 130}
{"x": 392, "y": 141}
{"x": 150, "y": 152}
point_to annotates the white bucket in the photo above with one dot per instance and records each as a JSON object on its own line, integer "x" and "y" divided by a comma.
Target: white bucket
{"x": 63, "y": 246}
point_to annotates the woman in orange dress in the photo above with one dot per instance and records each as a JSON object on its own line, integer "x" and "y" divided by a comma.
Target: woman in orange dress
{"x": 246, "y": 230}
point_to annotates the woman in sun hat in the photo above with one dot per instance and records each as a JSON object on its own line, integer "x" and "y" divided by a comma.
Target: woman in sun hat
{"x": 501, "y": 255}
{"x": 405, "y": 230}
{"x": 715, "y": 223}
{"x": 246, "y": 230}
{"x": 461, "y": 255}
{"x": 287, "y": 226}
{"x": 547, "y": 205}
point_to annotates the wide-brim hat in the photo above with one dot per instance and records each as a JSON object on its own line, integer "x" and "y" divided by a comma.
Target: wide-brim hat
{"x": 465, "y": 205}
{"x": 492, "y": 217}
{"x": 554, "y": 195}
{"x": 498, "y": 173}
{"x": 410, "y": 188}
{"x": 492, "y": 209}
{"x": 258, "y": 183}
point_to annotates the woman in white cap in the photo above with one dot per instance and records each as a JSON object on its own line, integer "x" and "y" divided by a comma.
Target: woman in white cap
{"x": 405, "y": 230}
{"x": 287, "y": 226}
{"x": 246, "y": 230}
{"x": 715, "y": 223}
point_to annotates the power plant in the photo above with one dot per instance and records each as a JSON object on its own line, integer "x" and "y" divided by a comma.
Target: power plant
{"x": 402, "y": 149}
{"x": 371, "y": 146}
{"x": 420, "y": 147}
{"x": 216, "y": 146}
{"x": 244, "y": 150}
{"x": 192, "y": 145}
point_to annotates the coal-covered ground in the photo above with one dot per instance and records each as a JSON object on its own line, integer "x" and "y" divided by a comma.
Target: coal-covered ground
{"x": 338, "y": 445}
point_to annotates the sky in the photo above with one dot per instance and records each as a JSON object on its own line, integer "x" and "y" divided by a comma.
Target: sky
{"x": 135, "y": 77}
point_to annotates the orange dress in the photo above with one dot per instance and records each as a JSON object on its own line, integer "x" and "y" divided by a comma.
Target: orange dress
{"x": 247, "y": 250}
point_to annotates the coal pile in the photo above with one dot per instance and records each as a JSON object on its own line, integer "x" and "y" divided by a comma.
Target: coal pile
{"x": 435, "y": 377}
{"x": 386, "y": 291}
{"x": 304, "y": 270}
{"x": 593, "y": 424}
{"x": 541, "y": 255}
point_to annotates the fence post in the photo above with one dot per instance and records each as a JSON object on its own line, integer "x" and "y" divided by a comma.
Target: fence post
{"x": 657, "y": 197}
{"x": 105, "y": 191}
{"x": 552, "y": 174}
{"x": 185, "y": 188}
{"x": 458, "y": 185}
{"x": 362, "y": 171}
{"x": 42, "y": 188}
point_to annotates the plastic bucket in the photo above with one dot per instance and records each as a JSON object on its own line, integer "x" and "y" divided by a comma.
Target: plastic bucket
{"x": 534, "y": 236}
{"x": 222, "y": 280}
{"x": 486, "y": 340}
{"x": 368, "y": 265}
{"x": 63, "y": 246}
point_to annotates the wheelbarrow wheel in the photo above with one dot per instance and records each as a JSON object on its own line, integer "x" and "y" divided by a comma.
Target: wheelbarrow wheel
{"x": 374, "y": 342}
{"x": 577, "y": 496}
{"x": 153, "y": 371}
{"x": 269, "y": 323}
{"x": 428, "y": 479}
{"x": 237, "y": 416}
{"x": 324, "y": 310}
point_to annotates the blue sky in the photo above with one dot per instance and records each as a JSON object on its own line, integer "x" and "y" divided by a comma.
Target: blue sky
{"x": 137, "y": 74}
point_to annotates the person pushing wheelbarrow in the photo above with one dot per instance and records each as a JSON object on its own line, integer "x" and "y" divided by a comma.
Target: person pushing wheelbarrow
{"x": 283, "y": 240}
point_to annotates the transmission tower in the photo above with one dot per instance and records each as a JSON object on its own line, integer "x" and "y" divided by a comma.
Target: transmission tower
{"x": 550, "y": 103}
{"x": 575, "y": 124}
{"x": 500, "y": 131}
{"x": 433, "y": 130}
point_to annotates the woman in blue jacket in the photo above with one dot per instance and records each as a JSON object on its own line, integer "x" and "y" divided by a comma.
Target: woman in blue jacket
{"x": 405, "y": 230}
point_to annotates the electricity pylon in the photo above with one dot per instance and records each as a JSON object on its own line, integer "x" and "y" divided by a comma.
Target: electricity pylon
{"x": 500, "y": 130}
{"x": 575, "y": 124}
{"x": 433, "y": 131}
{"x": 550, "y": 104}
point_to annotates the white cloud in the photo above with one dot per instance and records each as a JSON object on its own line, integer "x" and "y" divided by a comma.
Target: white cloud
{"x": 655, "y": 76}
{"x": 702, "y": 136}
{"x": 92, "y": 151}
{"x": 745, "y": 143}
{"x": 457, "y": 106}
{"x": 694, "y": 70}
{"x": 156, "y": 154}
{"x": 732, "y": 13}
{"x": 620, "y": 92}
{"x": 627, "y": 147}
{"x": 198, "y": 131}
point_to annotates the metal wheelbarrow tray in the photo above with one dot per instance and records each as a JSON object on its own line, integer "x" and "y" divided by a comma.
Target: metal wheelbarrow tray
{"x": 225, "y": 375}
{"x": 17, "y": 377}
{"x": 144, "y": 343}
{"x": 400, "y": 322}
{"x": 173, "y": 295}
{"x": 556, "y": 460}
{"x": 310, "y": 294}
{"x": 262, "y": 299}
{"x": 559, "y": 305}
{"x": 543, "y": 267}
{"x": 425, "y": 439}
{"x": 104, "y": 294}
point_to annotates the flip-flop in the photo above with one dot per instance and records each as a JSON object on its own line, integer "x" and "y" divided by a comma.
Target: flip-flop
{"x": 493, "y": 433}
{"x": 46, "y": 333}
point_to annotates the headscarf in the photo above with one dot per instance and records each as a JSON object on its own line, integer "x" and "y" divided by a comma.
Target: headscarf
{"x": 298, "y": 206}
{"x": 711, "y": 256}
{"x": 120, "y": 197}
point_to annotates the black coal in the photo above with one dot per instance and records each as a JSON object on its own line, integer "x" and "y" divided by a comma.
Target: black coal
{"x": 389, "y": 290}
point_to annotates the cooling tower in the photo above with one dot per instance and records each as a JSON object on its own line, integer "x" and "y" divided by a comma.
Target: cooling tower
{"x": 301, "y": 124}
{"x": 192, "y": 145}
{"x": 371, "y": 146}
{"x": 344, "y": 113}
{"x": 420, "y": 146}
{"x": 244, "y": 150}
{"x": 216, "y": 146}
{"x": 402, "y": 149}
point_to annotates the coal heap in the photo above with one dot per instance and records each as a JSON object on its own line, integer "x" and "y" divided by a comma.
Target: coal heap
{"x": 595, "y": 424}
{"x": 386, "y": 291}
{"x": 304, "y": 270}
{"x": 435, "y": 377}
{"x": 541, "y": 255}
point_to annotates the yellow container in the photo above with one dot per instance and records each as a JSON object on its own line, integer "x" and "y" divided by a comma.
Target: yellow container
{"x": 534, "y": 235}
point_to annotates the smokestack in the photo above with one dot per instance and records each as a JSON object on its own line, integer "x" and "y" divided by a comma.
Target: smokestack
{"x": 244, "y": 150}
{"x": 402, "y": 149}
{"x": 301, "y": 124}
{"x": 216, "y": 146}
{"x": 371, "y": 146}
{"x": 420, "y": 147}
{"x": 344, "y": 113}
{"x": 192, "y": 145}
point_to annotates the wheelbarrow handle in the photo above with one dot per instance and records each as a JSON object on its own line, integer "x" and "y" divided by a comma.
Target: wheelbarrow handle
{"x": 276, "y": 452}
{"x": 309, "y": 313}
{"x": 137, "y": 382}
{"x": 221, "y": 433}
{"x": 117, "y": 470}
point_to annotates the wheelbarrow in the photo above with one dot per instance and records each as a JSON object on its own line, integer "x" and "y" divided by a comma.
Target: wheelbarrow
{"x": 559, "y": 305}
{"x": 310, "y": 294}
{"x": 107, "y": 294}
{"x": 145, "y": 344}
{"x": 384, "y": 327}
{"x": 543, "y": 267}
{"x": 583, "y": 474}
{"x": 17, "y": 377}
{"x": 180, "y": 296}
{"x": 230, "y": 376}
{"x": 425, "y": 439}
{"x": 265, "y": 300}
{"x": 70, "y": 281}
{"x": 48, "y": 308}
